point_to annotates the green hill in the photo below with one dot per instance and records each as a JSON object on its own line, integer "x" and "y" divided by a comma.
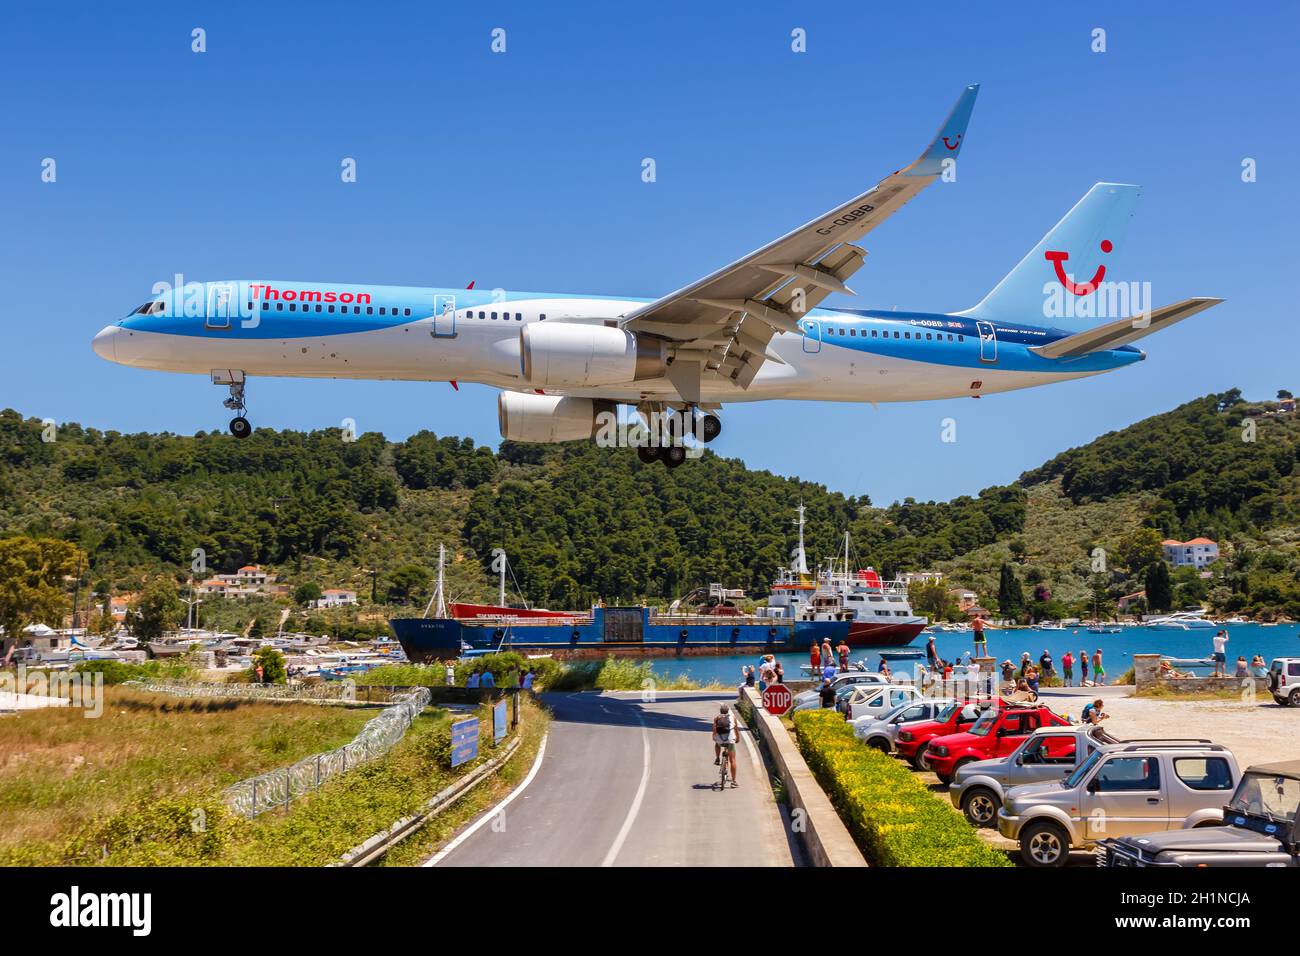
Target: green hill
{"x": 582, "y": 523}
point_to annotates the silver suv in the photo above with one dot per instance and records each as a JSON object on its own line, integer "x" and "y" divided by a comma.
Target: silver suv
{"x": 1121, "y": 790}
{"x": 1284, "y": 681}
{"x": 1049, "y": 753}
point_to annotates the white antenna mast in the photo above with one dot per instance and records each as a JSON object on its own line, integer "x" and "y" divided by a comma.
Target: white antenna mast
{"x": 439, "y": 593}
{"x": 800, "y": 563}
{"x": 499, "y": 563}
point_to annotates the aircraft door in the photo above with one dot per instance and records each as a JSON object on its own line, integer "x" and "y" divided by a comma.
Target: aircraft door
{"x": 812, "y": 336}
{"x": 220, "y": 305}
{"x": 444, "y": 317}
{"x": 988, "y": 341}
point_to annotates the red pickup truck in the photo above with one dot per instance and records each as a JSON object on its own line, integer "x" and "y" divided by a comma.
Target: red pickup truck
{"x": 914, "y": 738}
{"x": 998, "y": 731}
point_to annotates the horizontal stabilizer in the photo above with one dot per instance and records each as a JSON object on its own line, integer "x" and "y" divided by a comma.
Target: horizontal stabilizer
{"x": 1122, "y": 331}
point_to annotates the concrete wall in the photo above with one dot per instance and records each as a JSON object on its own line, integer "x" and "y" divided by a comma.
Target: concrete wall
{"x": 1146, "y": 670}
{"x": 825, "y": 840}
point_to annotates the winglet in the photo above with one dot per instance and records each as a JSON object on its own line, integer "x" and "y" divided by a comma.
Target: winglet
{"x": 947, "y": 142}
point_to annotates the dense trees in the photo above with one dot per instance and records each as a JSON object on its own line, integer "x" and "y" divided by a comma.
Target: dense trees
{"x": 582, "y": 523}
{"x": 1217, "y": 464}
{"x": 1011, "y": 597}
{"x": 31, "y": 584}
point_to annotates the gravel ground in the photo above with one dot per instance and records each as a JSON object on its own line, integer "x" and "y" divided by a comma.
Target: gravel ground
{"x": 1255, "y": 732}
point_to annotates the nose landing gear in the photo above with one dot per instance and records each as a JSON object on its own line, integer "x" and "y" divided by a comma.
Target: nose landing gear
{"x": 240, "y": 426}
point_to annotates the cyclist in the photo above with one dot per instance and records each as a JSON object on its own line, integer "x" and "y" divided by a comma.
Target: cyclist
{"x": 724, "y": 739}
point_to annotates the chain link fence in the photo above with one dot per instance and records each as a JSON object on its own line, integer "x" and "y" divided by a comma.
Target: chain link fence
{"x": 276, "y": 788}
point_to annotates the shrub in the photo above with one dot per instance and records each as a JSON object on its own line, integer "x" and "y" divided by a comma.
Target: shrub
{"x": 119, "y": 672}
{"x": 894, "y": 819}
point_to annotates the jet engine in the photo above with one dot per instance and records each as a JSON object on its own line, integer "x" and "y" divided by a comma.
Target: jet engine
{"x": 549, "y": 418}
{"x": 575, "y": 355}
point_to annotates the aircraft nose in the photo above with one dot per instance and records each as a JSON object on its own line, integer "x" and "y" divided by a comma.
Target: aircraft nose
{"x": 105, "y": 343}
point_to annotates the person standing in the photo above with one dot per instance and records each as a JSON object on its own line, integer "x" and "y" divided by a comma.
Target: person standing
{"x": 1220, "y": 653}
{"x": 931, "y": 653}
{"x": 1098, "y": 670}
{"x": 778, "y": 673}
{"x": 828, "y": 655}
{"x": 449, "y": 673}
{"x": 1067, "y": 668}
{"x": 1083, "y": 668}
{"x": 827, "y": 693}
{"x": 1045, "y": 663}
{"x": 815, "y": 659}
{"x": 473, "y": 681}
{"x": 978, "y": 639}
{"x": 488, "y": 679}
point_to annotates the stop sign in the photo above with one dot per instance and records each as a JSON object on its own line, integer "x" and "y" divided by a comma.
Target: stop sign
{"x": 777, "y": 699}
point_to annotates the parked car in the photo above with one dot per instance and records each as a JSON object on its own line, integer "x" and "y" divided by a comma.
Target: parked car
{"x": 913, "y": 741}
{"x": 1261, "y": 827}
{"x": 811, "y": 699}
{"x": 1284, "y": 681}
{"x": 1049, "y": 753}
{"x": 879, "y": 732}
{"x": 867, "y": 701}
{"x": 999, "y": 731}
{"x": 1121, "y": 790}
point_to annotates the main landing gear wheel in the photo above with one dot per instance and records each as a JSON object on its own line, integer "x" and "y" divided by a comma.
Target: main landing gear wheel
{"x": 647, "y": 454}
{"x": 711, "y": 427}
{"x": 673, "y": 455}
{"x": 239, "y": 425}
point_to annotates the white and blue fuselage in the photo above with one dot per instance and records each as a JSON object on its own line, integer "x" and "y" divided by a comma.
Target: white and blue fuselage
{"x": 317, "y": 330}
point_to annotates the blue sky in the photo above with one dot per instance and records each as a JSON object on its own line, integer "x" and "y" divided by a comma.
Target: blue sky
{"x": 523, "y": 170}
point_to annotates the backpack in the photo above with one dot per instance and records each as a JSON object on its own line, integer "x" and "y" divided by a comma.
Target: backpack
{"x": 722, "y": 725}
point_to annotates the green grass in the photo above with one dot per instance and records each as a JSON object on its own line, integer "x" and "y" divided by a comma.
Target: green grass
{"x": 188, "y": 826}
{"x": 65, "y": 777}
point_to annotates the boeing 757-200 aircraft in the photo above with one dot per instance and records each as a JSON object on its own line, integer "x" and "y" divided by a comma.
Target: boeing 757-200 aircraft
{"x": 754, "y": 330}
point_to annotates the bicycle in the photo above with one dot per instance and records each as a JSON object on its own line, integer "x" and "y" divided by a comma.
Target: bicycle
{"x": 724, "y": 766}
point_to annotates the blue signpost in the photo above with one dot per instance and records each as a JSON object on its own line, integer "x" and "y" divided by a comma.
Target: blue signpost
{"x": 498, "y": 721}
{"x": 464, "y": 741}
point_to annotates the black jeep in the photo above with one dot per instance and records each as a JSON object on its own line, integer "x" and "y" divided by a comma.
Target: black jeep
{"x": 1261, "y": 828}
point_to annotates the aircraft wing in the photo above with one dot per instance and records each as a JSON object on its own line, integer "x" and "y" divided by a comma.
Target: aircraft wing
{"x": 723, "y": 322}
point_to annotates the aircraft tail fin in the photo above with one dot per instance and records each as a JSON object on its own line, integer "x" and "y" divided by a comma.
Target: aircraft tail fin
{"x": 1073, "y": 259}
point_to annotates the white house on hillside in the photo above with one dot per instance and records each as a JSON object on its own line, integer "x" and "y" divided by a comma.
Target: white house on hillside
{"x": 1196, "y": 553}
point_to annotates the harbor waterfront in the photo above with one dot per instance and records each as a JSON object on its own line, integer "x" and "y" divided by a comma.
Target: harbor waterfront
{"x": 1245, "y": 640}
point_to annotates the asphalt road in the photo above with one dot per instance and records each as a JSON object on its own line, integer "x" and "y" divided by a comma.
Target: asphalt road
{"x": 623, "y": 782}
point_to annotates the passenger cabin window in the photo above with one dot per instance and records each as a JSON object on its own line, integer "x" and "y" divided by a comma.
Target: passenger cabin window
{"x": 1204, "y": 773}
{"x": 1128, "y": 774}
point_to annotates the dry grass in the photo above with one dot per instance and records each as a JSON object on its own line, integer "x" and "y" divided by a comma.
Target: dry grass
{"x": 60, "y": 771}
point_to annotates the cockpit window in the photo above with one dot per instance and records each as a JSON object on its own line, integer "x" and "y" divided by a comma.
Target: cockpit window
{"x": 152, "y": 307}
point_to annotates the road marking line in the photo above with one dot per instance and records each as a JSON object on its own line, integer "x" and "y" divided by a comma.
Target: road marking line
{"x": 481, "y": 821}
{"x": 635, "y": 808}
{"x": 753, "y": 751}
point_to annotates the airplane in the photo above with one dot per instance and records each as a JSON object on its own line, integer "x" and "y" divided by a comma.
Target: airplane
{"x": 754, "y": 330}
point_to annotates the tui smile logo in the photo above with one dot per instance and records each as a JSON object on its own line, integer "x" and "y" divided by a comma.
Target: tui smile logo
{"x": 1058, "y": 260}
{"x": 954, "y": 144}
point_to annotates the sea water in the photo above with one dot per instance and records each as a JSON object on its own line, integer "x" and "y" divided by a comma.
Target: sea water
{"x": 1244, "y": 640}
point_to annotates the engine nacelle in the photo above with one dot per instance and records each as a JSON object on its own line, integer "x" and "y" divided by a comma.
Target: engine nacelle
{"x": 549, "y": 418}
{"x": 575, "y": 355}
